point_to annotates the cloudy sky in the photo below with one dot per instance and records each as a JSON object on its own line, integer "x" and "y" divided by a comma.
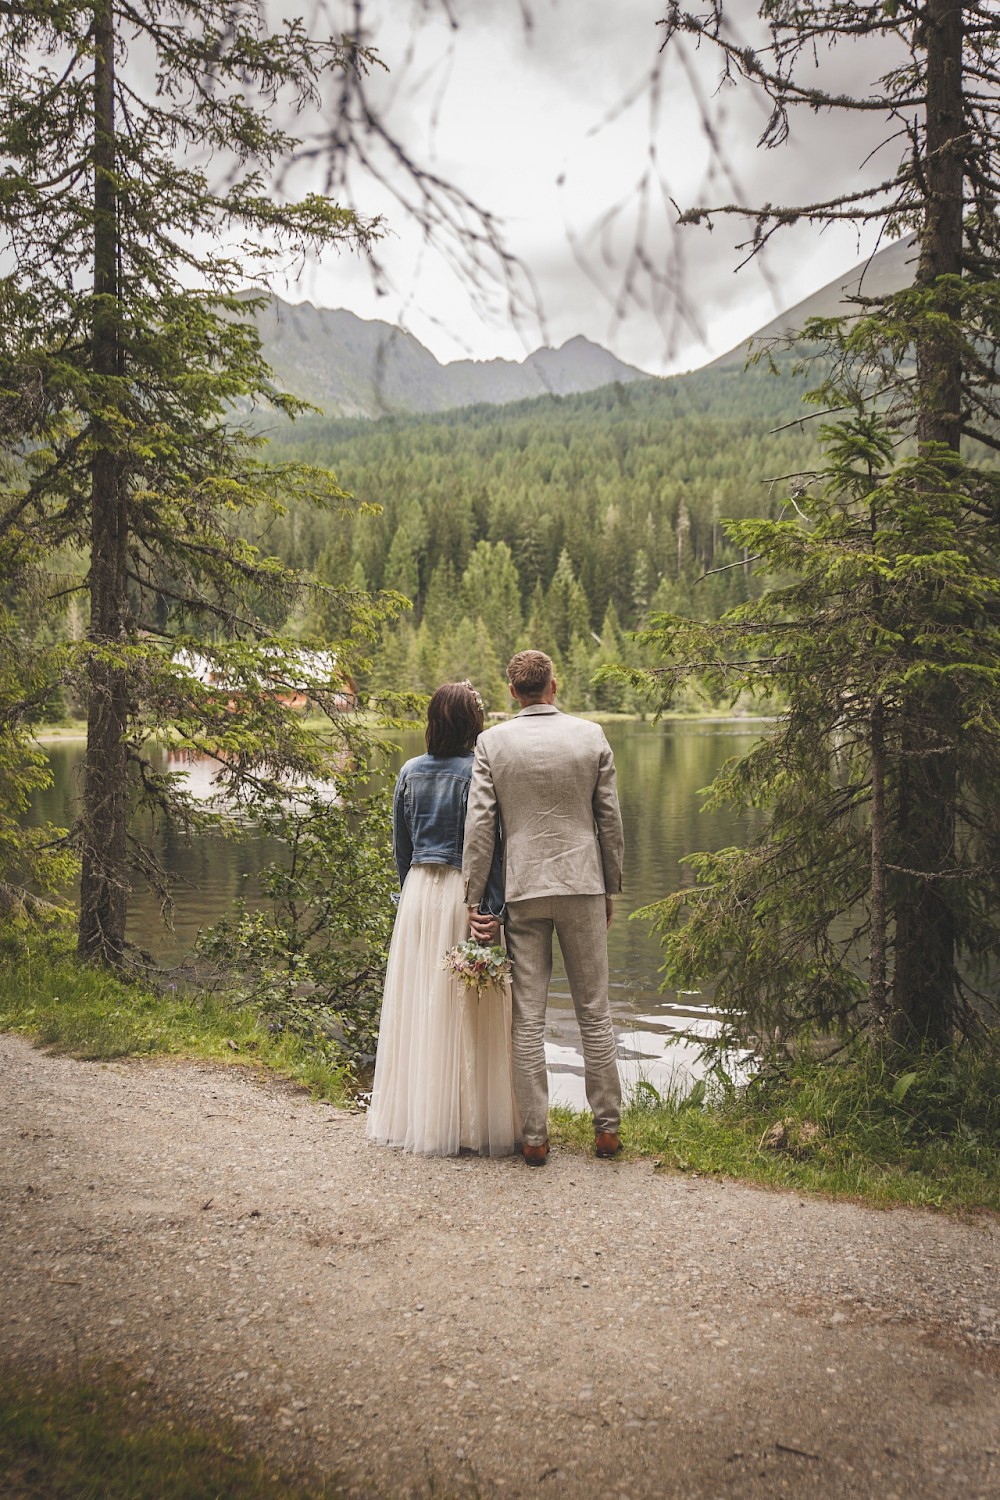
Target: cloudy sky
{"x": 563, "y": 120}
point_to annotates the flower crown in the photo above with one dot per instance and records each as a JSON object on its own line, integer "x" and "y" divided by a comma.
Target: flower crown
{"x": 479, "y": 702}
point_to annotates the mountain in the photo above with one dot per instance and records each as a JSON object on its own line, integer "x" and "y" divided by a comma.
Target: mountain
{"x": 352, "y": 367}
{"x": 886, "y": 271}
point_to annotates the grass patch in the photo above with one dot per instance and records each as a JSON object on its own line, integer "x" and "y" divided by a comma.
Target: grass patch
{"x": 65, "y": 729}
{"x": 923, "y": 1131}
{"x": 88, "y": 1013}
{"x": 98, "y": 1439}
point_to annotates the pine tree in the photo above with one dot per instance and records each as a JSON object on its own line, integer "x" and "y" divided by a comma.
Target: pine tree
{"x": 125, "y": 356}
{"x": 442, "y": 599}
{"x": 402, "y": 568}
{"x": 566, "y": 607}
{"x": 34, "y": 858}
{"x": 491, "y": 591}
{"x": 798, "y": 927}
{"x": 641, "y": 585}
{"x": 329, "y": 614}
{"x": 610, "y": 692}
{"x": 468, "y": 653}
{"x": 875, "y": 891}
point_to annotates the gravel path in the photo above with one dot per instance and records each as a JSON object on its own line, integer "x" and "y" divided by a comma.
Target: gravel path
{"x": 465, "y": 1327}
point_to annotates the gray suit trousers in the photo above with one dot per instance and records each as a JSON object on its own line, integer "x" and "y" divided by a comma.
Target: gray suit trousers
{"x": 580, "y": 923}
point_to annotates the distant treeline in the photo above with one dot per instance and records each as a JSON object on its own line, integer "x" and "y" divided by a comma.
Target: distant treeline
{"x": 562, "y": 521}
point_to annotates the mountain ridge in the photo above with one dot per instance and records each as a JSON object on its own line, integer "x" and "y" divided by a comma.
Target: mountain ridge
{"x": 353, "y": 367}
{"x": 356, "y": 367}
{"x": 887, "y": 270}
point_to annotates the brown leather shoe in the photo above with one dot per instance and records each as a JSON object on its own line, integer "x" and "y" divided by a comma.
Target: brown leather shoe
{"x": 535, "y": 1154}
{"x": 607, "y": 1143}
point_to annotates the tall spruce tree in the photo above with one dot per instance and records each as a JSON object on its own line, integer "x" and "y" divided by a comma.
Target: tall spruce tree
{"x": 141, "y": 142}
{"x": 875, "y": 890}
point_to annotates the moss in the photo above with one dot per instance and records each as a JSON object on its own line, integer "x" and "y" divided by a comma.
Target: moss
{"x": 102, "y": 1438}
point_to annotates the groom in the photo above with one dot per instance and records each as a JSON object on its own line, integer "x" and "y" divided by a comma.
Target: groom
{"x": 550, "y": 781}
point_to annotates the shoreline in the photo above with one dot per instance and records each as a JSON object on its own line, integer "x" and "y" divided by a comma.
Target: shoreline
{"x": 76, "y": 732}
{"x": 841, "y": 1132}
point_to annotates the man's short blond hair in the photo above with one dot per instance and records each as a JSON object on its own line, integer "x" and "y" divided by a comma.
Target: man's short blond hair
{"x": 529, "y": 673}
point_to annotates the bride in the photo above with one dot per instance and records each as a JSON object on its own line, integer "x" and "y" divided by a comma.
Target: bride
{"x": 442, "y": 1067}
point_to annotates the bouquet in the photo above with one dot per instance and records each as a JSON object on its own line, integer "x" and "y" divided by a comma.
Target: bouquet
{"x": 478, "y": 965}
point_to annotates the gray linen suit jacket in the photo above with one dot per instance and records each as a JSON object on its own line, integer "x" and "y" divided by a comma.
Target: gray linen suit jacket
{"x": 550, "y": 779}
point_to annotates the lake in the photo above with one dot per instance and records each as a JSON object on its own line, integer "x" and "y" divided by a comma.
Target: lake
{"x": 661, "y": 769}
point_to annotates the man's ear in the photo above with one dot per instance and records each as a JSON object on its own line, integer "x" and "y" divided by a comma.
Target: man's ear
{"x": 510, "y": 687}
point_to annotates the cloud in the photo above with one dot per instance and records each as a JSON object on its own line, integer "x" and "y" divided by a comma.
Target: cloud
{"x": 575, "y": 134}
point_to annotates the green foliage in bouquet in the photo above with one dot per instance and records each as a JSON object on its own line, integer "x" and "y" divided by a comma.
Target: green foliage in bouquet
{"x": 478, "y": 966}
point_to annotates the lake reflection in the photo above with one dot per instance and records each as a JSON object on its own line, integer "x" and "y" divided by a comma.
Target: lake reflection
{"x": 661, "y": 769}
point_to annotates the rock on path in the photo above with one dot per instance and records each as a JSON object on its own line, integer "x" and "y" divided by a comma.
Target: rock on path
{"x": 454, "y": 1327}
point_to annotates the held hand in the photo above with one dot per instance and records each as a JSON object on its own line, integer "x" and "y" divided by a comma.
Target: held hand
{"x": 485, "y": 929}
{"x": 609, "y": 907}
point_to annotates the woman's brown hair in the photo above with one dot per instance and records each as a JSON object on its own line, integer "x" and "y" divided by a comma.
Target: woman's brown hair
{"x": 454, "y": 719}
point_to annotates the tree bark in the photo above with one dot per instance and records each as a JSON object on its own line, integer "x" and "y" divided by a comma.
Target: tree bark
{"x": 878, "y": 948}
{"x": 924, "y": 990}
{"x": 104, "y": 820}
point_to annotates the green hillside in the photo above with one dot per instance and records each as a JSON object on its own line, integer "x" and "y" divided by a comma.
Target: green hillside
{"x": 563, "y": 520}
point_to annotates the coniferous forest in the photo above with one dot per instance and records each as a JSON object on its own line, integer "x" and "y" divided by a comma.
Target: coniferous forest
{"x": 564, "y": 521}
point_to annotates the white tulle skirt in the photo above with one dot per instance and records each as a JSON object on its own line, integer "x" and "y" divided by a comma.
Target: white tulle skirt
{"x": 442, "y": 1067}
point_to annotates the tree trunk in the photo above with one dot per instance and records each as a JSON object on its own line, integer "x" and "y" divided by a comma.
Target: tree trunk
{"x": 104, "y": 820}
{"x": 878, "y": 948}
{"x": 925, "y": 927}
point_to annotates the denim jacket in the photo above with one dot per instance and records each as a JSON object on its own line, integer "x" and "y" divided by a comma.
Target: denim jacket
{"x": 428, "y": 820}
